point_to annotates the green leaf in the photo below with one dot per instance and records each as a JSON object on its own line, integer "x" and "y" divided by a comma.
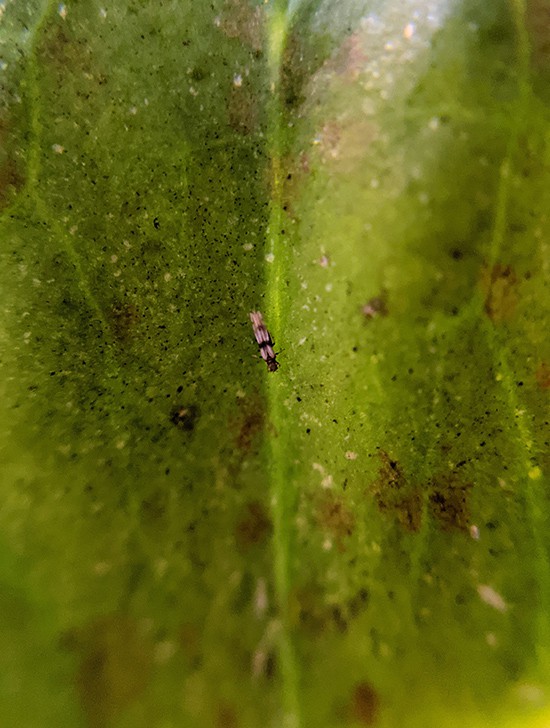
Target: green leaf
{"x": 362, "y": 537}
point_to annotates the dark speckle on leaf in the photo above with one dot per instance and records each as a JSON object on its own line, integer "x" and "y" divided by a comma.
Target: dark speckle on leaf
{"x": 449, "y": 502}
{"x": 184, "y": 416}
{"x": 395, "y": 495}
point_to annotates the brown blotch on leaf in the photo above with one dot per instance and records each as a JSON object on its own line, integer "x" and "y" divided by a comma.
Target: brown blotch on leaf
{"x": 308, "y": 609}
{"x": 153, "y": 508}
{"x": 253, "y": 527}
{"x": 239, "y": 20}
{"x": 499, "y": 285}
{"x": 184, "y": 417}
{"x": 542, "y": 375}
{"x": 249, "y": 423}
{"x": 242, "y": 110}
{"x": 448, "y": 502}
{"x": 335, "y": 517}
{"x": 115, "y": 666}
{"x": 365, "y": 704}
{"x": 189, "y": 639}
{"x": 395, "y": 495}
{"x": 294, "y": 73}
{"x": 11, "y": 176}
{"x": 375, "y": 307}
{"x": 537, "y": 18}
{"x": 123, "y": 318}
{"x": 64, "y": 51}
{"x": 226, "y": 716}
{"x": 11, "y": 180}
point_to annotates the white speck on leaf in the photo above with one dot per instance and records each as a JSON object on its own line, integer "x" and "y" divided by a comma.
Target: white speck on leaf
{"x": 327, "y": 481}
{"x": 474, "y": 532}
{"x": 491, "y": 597}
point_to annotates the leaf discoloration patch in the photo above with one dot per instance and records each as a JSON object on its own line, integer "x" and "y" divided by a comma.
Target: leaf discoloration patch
{"x": 226, "y": 716}
{"x": 11, "y": 174}
{"x": 253, "y": 527}
{"x": 542, "y": 375}
{"x": 365, "y": 704}
{"x": 334, "y": 516}
{"x": 395, "y": 496}
{"x": 184, "y": 417}
{"x": 499, "y": 284}
{"x": 249, "y": 423}
{"x": 448, "y": 502}
{"x": 123, "y": 318}
{"x": 241, "y": 21}
{"x": 242, "y": 109}
{"x": 116, "y": 662}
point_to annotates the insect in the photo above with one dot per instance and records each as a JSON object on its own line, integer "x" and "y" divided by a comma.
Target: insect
{"x": 265, "y": 342}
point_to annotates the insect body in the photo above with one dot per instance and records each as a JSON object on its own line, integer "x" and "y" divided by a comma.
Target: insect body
{"x": 265, "y": 342}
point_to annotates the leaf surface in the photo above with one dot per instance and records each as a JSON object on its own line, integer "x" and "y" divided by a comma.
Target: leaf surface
{"x": 360, "y": 538}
